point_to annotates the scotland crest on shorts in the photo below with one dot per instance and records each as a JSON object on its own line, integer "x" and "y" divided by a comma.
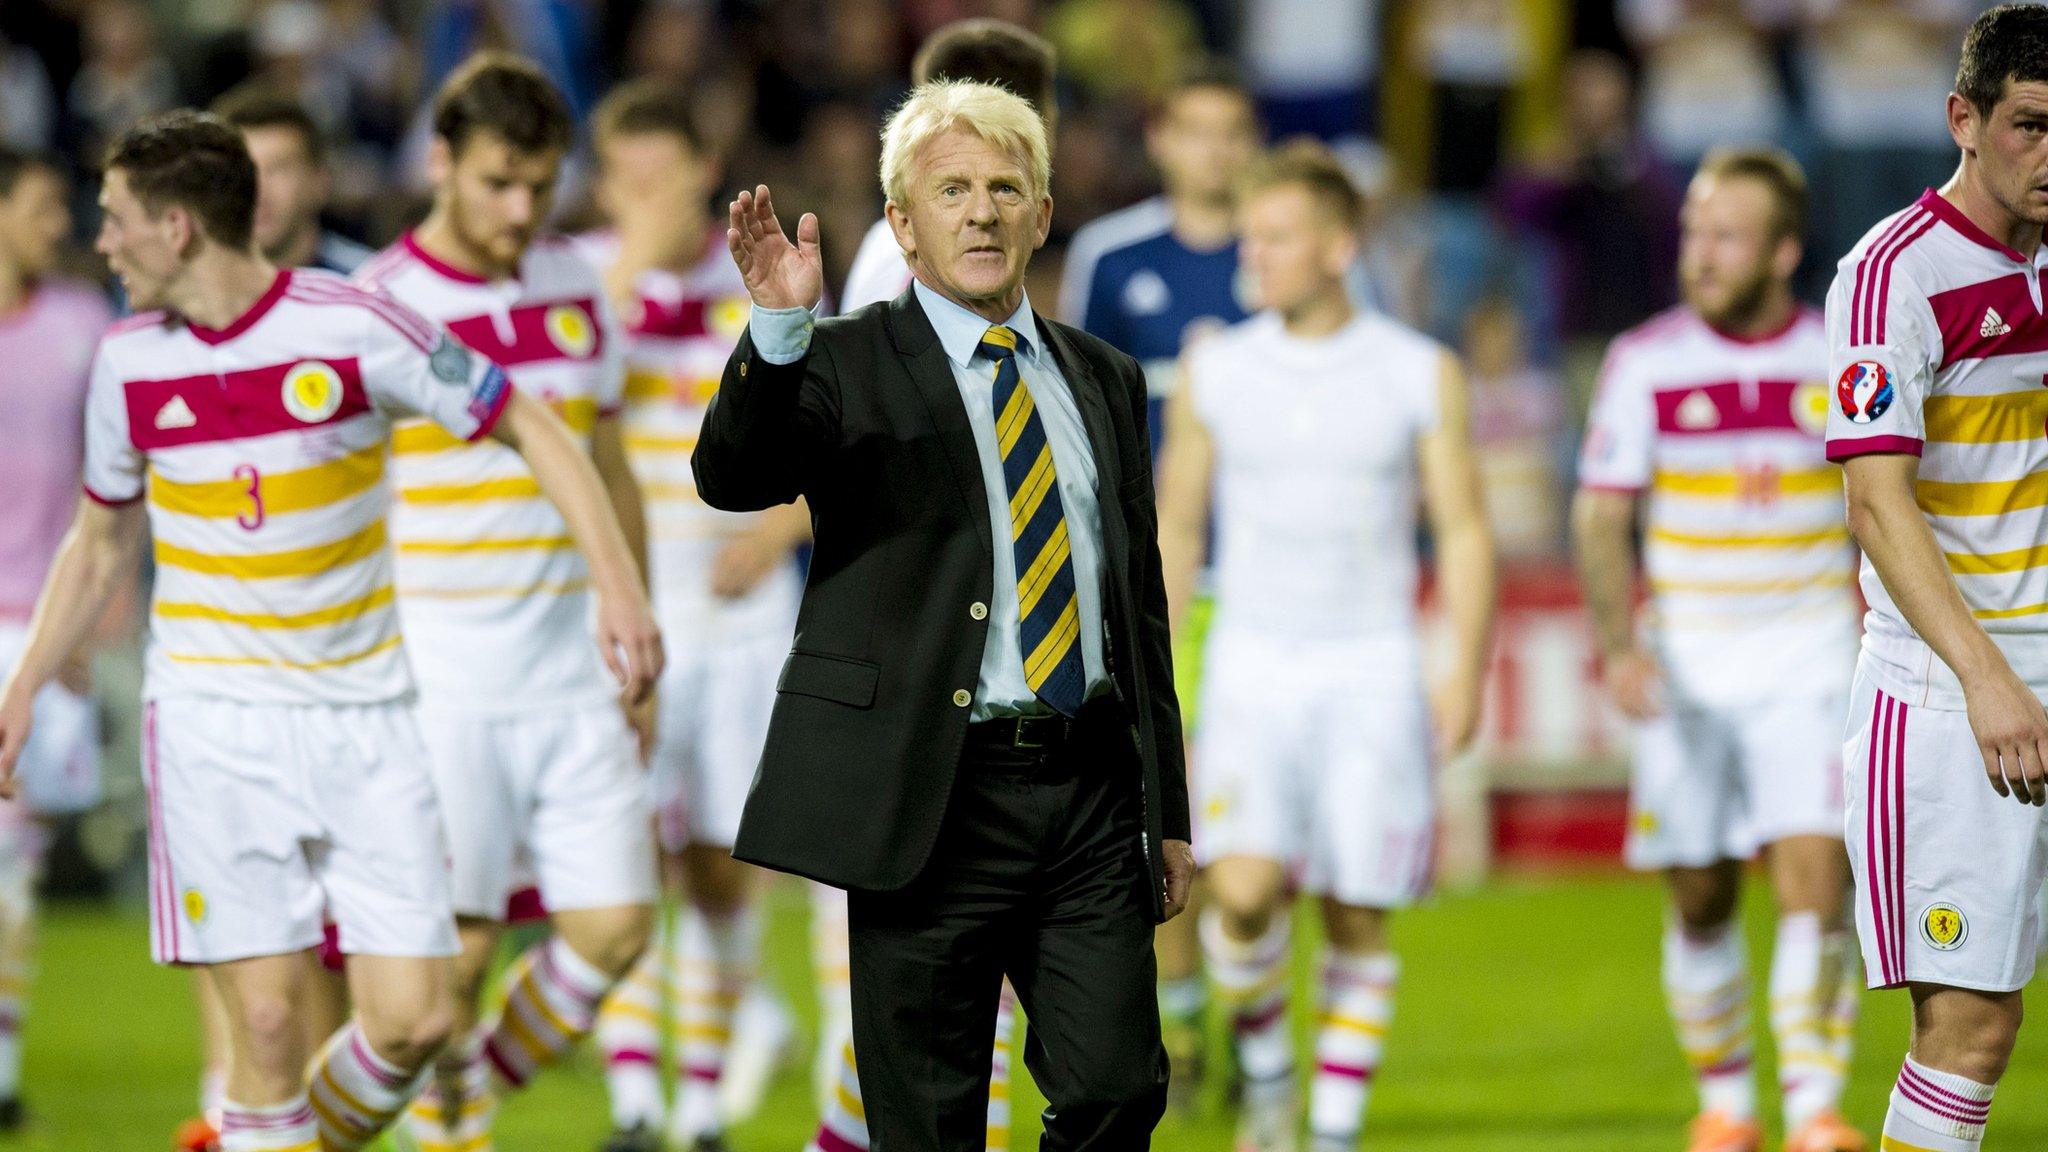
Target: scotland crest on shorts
{"x": 1864, "y": 391}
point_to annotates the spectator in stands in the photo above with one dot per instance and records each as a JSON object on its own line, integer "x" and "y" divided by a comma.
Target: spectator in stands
{"x": 1127, "y": 50}
{"x": 1605, "y": 206}
{"x": 1708, "y": 77}
{"x": 1315, "y": 66}
{"x": 1876, "y": 73}
{"x": 28, "y": 107}
{"x": 124, "y": 77}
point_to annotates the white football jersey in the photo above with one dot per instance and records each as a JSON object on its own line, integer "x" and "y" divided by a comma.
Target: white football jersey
{"x": 494, "y": 591}
{"x": 261, "y": 450}
{"x": 1745, "y": 543}
{"x": 675, "y": 351}
{"x": 1938, "y": 347}
{"x": 1316, "y": 475}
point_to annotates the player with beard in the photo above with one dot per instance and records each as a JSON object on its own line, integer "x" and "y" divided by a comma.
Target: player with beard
{"x": 532, "y": 755}
{"x": 1708, "y": 425}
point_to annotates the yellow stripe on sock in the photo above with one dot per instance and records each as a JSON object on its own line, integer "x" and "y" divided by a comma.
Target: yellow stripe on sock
{"x": 1354, "y": 1024}
{"x": 850, "y": 1103}
{"x": 339, "y": 1124}
{"x": 520, "y": 1031}
{"x": 631, "y": 1011}
{"x": 529, "y": 986}
{"x": 1894, "y": 1144}
{"x": 998, "y": 1138}
{"x": 998, "y": 1089}
{"x": 707, "y": 1033}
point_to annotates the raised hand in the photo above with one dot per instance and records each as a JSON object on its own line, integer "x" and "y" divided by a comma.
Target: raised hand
{"x": 778, "y": 274}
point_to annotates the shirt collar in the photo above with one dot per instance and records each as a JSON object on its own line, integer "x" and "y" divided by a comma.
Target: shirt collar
{"x": 960, "y": 331}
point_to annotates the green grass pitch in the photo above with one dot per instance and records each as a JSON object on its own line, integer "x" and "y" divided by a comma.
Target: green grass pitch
{"x": 1528, "y": 1020}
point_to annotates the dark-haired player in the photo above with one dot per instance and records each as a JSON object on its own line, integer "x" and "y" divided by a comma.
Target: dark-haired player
{"x": 1936, "y": 333}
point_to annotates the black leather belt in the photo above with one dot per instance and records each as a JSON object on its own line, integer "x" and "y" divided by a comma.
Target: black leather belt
{"x": 1023, "y": 733}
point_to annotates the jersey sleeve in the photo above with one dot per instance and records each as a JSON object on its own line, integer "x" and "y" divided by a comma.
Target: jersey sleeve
{"x": 113, "y": 464}
{"x": 1621, "y": 430}
{"x": 411, "y": 367}
{"x": 1883, "y": 348}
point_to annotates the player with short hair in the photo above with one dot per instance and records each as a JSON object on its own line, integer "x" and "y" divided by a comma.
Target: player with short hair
{"x": 530, "y": 750}
{"x": 48, "y": 326}
{"x": 726, "y": 587}
{"x": 1935, "y": 335}
{"x": 251, "y": 408}
{"x": 1709, "y": 419}
{"x": 1152, "y": 277}
{"x": 293, "y": 179}
{"x": 1317, "y": 427}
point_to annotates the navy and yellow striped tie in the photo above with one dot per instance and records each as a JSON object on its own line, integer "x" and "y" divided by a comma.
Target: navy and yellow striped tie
{"x": 1049, "y": 615}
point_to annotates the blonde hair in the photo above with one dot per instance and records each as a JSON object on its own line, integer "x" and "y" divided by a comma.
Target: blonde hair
{"x": 1003, "y": 119}
{"x": 1311, "y": 166}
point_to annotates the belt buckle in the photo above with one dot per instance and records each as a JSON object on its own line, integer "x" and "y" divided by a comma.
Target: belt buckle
{"x": 1019, "y": 740}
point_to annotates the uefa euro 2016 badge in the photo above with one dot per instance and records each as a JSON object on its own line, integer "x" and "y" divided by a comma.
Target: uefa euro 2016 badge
{"x": 1943, "y": 927}
{"x": 312, "y": 391}
{"x": 1810, "y": 406}
{"x": 1864, "y": 391}
{"x": 571, "y": 330}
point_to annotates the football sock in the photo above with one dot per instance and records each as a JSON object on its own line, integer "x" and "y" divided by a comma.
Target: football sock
{"x": 1358, "y": 1002}
{"x": 1706, "y": 982}
{"x": 355, "y": 1092}
{"x": 629, "y": 1034}
{"x": 1251, "y": 980}
{"x": 1935, "y": 1111}
{"x": 717, "y": 956}
{"x": 1806, "y": 967}
{"x": 286, "y": 1127}
{"x": 551, "y": 1001}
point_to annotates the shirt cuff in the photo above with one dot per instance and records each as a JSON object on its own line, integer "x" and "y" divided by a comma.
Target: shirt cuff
{"x": 781, "y": 335}
{"x": 1844, "y": 449}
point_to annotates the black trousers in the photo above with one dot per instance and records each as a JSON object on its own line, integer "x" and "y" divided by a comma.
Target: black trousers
{"x": 1039, "y": 875}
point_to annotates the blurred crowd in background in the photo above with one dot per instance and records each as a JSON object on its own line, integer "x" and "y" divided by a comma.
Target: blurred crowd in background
{"x": 1525, "y": 159}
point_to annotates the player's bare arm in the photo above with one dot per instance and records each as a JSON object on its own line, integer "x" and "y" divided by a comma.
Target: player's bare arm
{"x": 1603, "y": 547}
{"x": 748, "y": 557}
{"x": 1464, "y": 559}
{"x": 2009, "y": 722}
{"x": 103, "y": 546}
{"x": 608, "y": 454}
{"x": 626, "y": 632}
{"x": 1186, "y": 466}
{"x": 778, "y": 274}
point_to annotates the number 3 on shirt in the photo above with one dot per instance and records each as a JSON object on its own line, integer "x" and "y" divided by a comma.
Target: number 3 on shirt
{"x": 252, "y": 519}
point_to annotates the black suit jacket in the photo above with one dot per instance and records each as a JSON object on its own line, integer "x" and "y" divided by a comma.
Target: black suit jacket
{"x": 869, "y": 428}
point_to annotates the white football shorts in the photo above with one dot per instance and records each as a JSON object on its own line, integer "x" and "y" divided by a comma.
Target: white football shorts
{"x": 1319, "y": 756}
{"x": 562, "y": 784}
{"x": 267, "y": 819}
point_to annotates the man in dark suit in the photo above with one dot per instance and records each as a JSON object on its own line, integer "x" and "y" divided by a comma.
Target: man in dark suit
{"x": 977, "y": 734}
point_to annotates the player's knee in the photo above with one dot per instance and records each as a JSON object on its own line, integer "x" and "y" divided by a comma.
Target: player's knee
{"x": 1246, "y": 894}
{"x": 1704, "y": 900}
{"x": 269, "y": 1037}
{"x": 409, "y": 1034}
{"x": 613, "y": 945}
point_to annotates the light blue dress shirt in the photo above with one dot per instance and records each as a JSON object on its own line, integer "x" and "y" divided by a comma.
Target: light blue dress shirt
{"x": 782, "y": 335}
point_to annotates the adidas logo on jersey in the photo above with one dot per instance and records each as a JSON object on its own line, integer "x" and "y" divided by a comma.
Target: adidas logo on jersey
{"x": 1993, "y": 325}
{"x": 176, "y": 414}
{"x": 1698, "y": 410}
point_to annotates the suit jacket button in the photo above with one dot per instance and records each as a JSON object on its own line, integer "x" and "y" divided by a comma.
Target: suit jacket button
{"x": 978, "y": 610}
{"x": 962, "y": 697}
